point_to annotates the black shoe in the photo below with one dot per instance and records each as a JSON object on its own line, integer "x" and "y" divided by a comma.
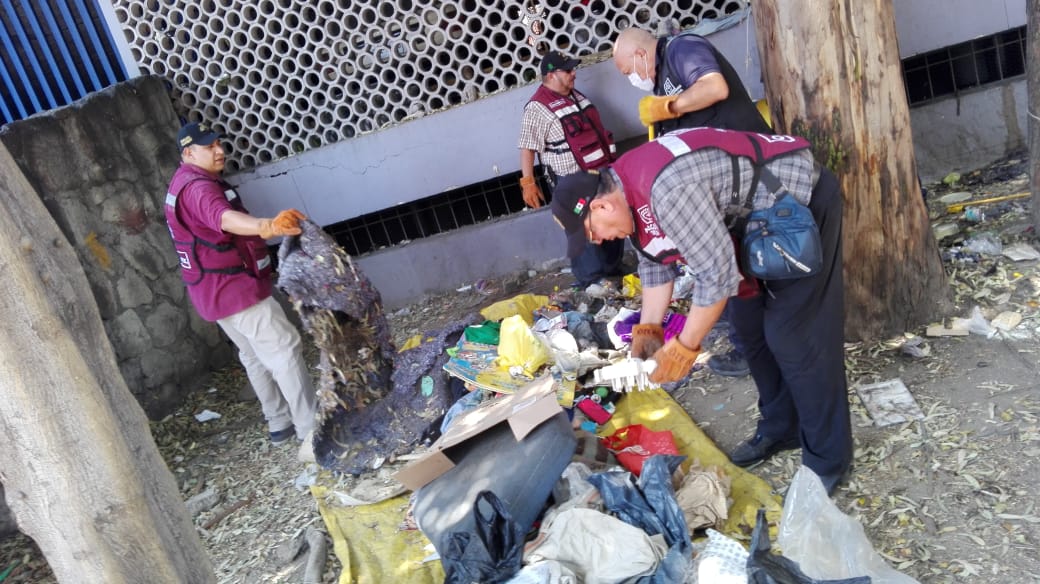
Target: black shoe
{"x": 281, "y": 436}
{"x": 759, "y": 448}
{"x": 731, "y": 364}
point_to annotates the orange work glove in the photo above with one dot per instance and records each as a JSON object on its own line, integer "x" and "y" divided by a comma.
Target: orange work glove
{"x": 285, "y": 223}
{"x": 674, "y": 361}
{"x": 654, "y": 109}
{"x": 646, "y": 340}
{"x": 533, "y": 196}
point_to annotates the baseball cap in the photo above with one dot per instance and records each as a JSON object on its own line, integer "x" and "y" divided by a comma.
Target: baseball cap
{"x": 570, "y": 207}
{"x": 554, "y": 61}
{"x": 196, "y": 134}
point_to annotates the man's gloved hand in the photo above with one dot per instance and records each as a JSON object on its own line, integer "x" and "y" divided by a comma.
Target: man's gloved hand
{"x": 533, "y": 196}
{"x": 654, "y": 108}
{"x": 674, "y": 361}
{"x": 285, "y": 223}
{"x": 646, "y": 340}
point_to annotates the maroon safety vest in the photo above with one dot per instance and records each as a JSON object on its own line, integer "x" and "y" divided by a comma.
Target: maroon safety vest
{"x": 639, "y": 168}
{"x": 584, "y": 135}
{"x": 231, "y": 254}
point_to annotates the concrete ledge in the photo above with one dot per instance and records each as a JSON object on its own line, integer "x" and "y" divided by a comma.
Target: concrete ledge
{"x": 405, "y": 274}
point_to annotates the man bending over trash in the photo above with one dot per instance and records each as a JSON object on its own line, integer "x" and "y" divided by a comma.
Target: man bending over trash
{"x": 693, "y": 196}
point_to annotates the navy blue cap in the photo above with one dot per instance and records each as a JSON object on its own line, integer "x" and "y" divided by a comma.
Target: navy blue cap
{"x": 196, "y": 134}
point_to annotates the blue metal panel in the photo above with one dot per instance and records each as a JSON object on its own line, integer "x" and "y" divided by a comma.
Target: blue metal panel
{"x": 99, "y": 50}
{"x": 56, "y": 73}
{"x": 8, "y": 117}
{"x": 70, "y": 23}
{"x": 30, "y": 53}
{"x": 70, "y": 65}
{"x": 22, "y": 76}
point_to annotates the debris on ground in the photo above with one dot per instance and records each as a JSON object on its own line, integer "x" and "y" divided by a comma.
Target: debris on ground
{"x": 949, "y": 497}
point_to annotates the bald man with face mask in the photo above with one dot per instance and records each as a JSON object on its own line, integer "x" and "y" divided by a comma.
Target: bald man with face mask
{"x": 692, "y": 83}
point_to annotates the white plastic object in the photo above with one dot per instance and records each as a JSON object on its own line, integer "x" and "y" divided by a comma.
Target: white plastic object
{"x": 627, "y": 375}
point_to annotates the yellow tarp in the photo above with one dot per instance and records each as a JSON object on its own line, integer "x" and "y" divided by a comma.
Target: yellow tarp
{"x": 373, "y": 550}
{"x": 371, "y": 547}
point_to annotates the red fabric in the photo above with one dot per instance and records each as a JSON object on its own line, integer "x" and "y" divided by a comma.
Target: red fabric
{"x": 633, "y": 445}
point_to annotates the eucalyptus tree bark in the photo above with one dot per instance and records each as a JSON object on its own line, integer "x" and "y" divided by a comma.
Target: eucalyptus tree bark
{"x": 1033, "y": 102}
{"x": 80, "y": 470}
{"x": 833, "y": 75}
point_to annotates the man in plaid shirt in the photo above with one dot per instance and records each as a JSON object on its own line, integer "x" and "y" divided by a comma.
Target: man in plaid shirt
{"x": 675, "y": 198}
{"x": 564, "y": 129}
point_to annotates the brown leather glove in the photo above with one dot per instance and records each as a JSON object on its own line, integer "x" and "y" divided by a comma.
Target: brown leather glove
{"x": 285, "y": 223}
{"x": 654, "y": 108}
{"x": 674, "y": 361}
{"x": 533, "y": 196}
{"x": 646, "y": 340}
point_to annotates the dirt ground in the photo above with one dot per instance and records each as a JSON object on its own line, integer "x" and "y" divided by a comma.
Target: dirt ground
{"x": 950, "y": 497}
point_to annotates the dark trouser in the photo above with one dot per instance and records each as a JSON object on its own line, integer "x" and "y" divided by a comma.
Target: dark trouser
{"x": 734, "y": 335}
{"x": 598, "y": 261}
{"x": 793, "y": 335}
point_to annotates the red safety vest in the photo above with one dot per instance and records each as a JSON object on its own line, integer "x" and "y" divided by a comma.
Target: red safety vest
{"x": 231, "y": 254}
{"x": 638, "y": 169}
{"x": 586, "y": 138}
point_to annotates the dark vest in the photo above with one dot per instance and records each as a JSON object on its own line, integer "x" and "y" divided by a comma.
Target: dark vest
{"x": 638, "y": 169}
{"x": 232, "y": 254}
{"x": 736, "y": 112}
{"x": 585, "y": 137}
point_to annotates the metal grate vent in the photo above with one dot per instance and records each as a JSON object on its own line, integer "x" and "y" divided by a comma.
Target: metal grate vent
{"x": 279, "y": 77}
{"x": 973, "y": 63}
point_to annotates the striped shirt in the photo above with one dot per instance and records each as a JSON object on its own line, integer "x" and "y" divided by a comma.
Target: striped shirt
{"x": 689, "y": 199}
{"x": 539, "y": 128}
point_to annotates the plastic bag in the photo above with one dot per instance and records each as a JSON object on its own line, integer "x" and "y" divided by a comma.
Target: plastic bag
{"x": 633, "y": 445}
{"x": 825, "y": 542}
{"x": 764, "y": 567}
{"x": 650, "y": 504}
{"x": 722, "y": 561}
{"x": 976, "y": 324}
{"x": 523, "y": 305}
{"x": 518, "y": 346}
{"x": 494, "y": 555}
{"x": 985, "y": 244}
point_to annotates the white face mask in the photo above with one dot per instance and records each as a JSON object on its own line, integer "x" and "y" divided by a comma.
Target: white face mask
{"x": 637, "y": 81}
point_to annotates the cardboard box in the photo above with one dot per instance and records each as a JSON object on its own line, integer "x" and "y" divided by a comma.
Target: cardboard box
{"x": 524, "y": 411}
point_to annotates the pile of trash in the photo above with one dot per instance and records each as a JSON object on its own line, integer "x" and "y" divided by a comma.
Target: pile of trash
{"x": 988, "y": 243}
{"x": 616, "y": 501}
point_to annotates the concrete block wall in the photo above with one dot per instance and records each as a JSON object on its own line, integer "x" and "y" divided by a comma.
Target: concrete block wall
{"x": 101, "y": 167}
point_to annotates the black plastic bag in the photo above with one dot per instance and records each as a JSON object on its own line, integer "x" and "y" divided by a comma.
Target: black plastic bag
{"x": 493, "y": 554}
{"x": 764, "y": 567}
{"x": 649, "y": 504}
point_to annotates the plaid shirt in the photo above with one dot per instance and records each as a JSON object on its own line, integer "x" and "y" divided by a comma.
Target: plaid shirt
{"x": 689, "y": 199}
{"x": 539, "y": 127}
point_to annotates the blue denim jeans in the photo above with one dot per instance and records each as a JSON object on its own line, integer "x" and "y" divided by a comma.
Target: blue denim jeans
{"x": 598, "y": 261}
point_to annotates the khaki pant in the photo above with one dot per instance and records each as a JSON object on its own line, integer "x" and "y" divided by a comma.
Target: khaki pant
{"x": 271, "y": 352}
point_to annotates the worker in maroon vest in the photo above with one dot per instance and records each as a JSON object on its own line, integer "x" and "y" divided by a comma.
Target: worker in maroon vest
{"x": 679, "y": 198}
{"x": 693, "y": 85}
{"x": 226, "y": 267}
{"x": 564, "y": 129}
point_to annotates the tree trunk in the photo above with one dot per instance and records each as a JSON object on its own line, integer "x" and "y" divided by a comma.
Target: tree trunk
{"x": 833, "y": 75}
{"x": 1033, "y": 101}
{"x": 80, "y": 470}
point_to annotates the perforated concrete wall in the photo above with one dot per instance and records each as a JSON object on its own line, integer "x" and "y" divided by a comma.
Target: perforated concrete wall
{"x": 279, "y": 77}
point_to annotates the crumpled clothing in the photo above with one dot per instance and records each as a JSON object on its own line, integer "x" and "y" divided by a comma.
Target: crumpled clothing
{"x": 597, "y": 547}
{"x": 703, "y": 497}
